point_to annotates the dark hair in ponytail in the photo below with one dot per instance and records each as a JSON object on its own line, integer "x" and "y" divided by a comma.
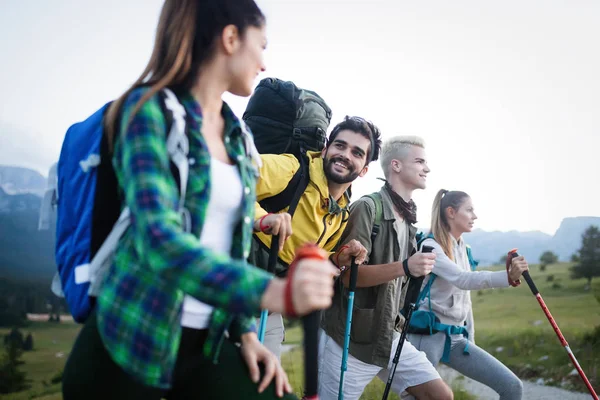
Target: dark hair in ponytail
{"x": 185, "y": 39}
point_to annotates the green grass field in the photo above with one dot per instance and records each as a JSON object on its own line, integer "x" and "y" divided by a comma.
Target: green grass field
{"x": 513, "y": 320}
{"x": 52, "y": 343}
{"x": 510, "y": 319}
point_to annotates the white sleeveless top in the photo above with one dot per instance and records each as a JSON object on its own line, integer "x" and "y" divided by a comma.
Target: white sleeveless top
{"x": 222, "y": 215}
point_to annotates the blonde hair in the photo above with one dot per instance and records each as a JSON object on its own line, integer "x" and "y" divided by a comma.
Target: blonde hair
{"x": 397, "y": 148}
{"x": 439, "y": 222}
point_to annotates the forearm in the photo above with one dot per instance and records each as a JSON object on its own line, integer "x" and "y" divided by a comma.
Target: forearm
{"x": 470, "y": 280}
{"x": 465, "y": 279}
{"x": 374, "y": 275}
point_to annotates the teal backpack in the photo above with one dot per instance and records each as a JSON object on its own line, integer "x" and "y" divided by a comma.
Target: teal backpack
{"x": 425, "y": 322}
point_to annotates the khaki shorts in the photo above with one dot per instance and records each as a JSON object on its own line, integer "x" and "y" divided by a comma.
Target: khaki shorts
{"x": 413, "y": 369}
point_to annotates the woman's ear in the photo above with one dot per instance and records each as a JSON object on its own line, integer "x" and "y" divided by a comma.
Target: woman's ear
{"x": 230, "y": 39}
{"x": 450, "y": 213}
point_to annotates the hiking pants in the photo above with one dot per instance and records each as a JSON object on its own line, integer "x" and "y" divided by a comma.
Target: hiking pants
{"x": 274, "y": 334}
{"x": 478, "y": 364}
{"x": 90, "y": 373}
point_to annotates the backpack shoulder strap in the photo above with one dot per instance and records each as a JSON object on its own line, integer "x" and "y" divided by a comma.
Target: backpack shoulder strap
{"x": 177, "y": 146}
{"x": 472, "y": 262}
{"x": 376, "y": 197}
{"x": 426, "y": 292}
{"x": 290, "y": 196}
{"x": 177, "y": 140}
{"x": 302, "y": 179}
{"x": 422, "y": 237}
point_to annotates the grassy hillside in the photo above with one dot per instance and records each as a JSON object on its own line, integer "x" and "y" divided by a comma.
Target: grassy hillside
{"x": 510, "y": 324}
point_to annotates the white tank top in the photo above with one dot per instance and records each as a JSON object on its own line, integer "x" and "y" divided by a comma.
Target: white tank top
{"x": 222, "y": 215}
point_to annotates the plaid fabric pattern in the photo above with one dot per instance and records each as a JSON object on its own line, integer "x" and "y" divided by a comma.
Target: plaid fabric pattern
{"x": 157, "y": 262}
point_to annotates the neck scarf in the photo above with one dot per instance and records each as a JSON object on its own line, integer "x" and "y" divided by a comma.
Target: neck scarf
{"x": 408, "y": 210}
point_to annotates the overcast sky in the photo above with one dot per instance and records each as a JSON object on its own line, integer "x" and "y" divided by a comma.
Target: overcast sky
{"x": 505, "y": 93}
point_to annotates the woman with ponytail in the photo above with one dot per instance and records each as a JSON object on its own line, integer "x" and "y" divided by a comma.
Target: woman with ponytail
{"x": 450, "y": 298}
{"x": 174, "y": 317}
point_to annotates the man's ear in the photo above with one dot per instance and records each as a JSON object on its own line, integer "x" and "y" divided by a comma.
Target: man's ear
{"x": 364, "y": 171}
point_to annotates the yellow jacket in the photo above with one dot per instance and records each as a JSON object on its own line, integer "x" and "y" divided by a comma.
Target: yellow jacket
{"x": 312, "y": 221}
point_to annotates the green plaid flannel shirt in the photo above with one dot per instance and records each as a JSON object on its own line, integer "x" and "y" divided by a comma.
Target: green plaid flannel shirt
{"x": 157, "y": 262}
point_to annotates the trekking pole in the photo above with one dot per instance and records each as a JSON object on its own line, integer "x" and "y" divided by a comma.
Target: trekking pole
{"x": 264, "y": 314}
{"x": 414, "y": 287}
{"x": 353, "y": 276}
{"x": 310, "y": 324}
{"x": 311, "y": 355}
{"x": 513, "y": 253}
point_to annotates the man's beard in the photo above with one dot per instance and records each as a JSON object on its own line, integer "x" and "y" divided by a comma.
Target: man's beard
{"x": 333, "y": 176}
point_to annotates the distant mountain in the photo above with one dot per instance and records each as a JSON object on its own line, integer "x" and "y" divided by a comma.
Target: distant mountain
{"x": 12, "y": 203}
{"x": 568, "y": 235}
{"x": 14, "y": 180}
{"x": 25, "y": 252}
{"x": 488, "y": 247}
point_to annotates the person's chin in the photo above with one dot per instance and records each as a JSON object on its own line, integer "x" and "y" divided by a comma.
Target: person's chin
{"x": 241, "y": 90}
{"x": 337, "y": 177}
{"x": 340, "y": 179}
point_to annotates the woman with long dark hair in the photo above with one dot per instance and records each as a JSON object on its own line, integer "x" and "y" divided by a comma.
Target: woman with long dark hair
{"x": 174, "y": 317}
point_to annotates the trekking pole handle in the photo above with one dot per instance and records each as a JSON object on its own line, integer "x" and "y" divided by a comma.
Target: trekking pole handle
{"x": 353, "y": 274}
{"x": 418, "y": 281}
{"x": 512, "y": 254}
{"x": 426, "y": 249}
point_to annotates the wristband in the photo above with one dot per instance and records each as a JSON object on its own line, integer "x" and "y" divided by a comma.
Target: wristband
{"x": 406, "y": 270}
{"x": 337, "y": 256}
{"x": 260, "y": 223}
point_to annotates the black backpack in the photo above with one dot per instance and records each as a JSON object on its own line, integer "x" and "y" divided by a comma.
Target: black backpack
{"x": 285, "y": 119}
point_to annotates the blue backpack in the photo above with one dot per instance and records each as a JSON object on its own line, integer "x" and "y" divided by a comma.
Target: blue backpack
{"x": 425, "y": 322}
{"x": 90, "y": 218}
